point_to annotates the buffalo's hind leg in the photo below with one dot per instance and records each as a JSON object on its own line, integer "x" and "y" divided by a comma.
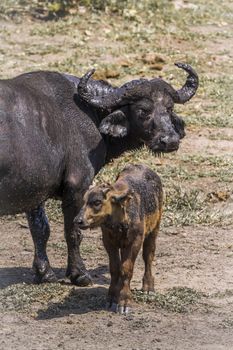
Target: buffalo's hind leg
{"x": 40, "y": 231}
{"x": 148, "y": 254}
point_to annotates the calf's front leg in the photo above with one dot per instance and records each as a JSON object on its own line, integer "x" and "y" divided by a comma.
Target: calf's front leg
{"x": 129, "y": 254}
{"x": 114, "y": 267}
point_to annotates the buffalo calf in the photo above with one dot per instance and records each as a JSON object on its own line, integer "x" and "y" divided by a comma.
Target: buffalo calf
{"x": 129, "y": 214}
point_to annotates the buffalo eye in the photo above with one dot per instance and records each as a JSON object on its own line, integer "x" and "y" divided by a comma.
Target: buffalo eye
{"x": 170, "y": 109}
{"x": 142, "y": 114}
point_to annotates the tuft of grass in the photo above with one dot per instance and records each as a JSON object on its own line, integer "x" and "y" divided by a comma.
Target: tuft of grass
{"x": 22, "y": 297}
{"x": 176, "y": 299}
{"x": 227, "y": 323}
{"x": 55, "y": 298}
{"x": 189, "y": 207}
{"x": 125, "y": 7}
{"x": 218, "y": 111}
{"x": 48, "y": 299}
{"x": 87, "y": 248}
{"x": 77, "y": 300}
{"x": 224, "y": 294}
{"x": 54, "y": 211}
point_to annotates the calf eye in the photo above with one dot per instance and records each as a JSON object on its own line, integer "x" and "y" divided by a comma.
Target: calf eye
{"x": 97, "y": 203}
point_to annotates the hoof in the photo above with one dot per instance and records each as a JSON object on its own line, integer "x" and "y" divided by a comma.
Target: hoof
{"x": 120, "y": 309}
{"x": 149, "y": 293}
{"x": 48, "y": 277}
{"x": 123, "y": 310}
{"x": 112, "y": 306}
{"x": 82, "y": 281}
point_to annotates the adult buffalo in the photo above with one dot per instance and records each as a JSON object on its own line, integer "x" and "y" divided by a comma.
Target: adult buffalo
{"x": 57, "y": 131}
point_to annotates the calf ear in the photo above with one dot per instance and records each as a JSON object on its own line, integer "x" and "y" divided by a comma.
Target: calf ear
{"x": 179, "y": 124}
{"x": 105, "y": 190}
{"x": 115, "y": 124}
{"x": 121, "y": 196}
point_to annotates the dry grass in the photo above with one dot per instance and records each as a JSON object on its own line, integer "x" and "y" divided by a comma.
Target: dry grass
{"x": 177, "y": 299}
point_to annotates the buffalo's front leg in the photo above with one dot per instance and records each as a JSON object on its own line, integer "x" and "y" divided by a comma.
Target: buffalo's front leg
{"x": 40, "y": 231}
{"x": 76, "y": 270}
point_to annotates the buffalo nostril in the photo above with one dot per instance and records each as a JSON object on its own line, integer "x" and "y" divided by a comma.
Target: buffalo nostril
{"x": 164, "y": 140}
{"x": 169, "y": 143}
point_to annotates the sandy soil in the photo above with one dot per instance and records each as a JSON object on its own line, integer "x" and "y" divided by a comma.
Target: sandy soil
{"x": 193, "y": 257}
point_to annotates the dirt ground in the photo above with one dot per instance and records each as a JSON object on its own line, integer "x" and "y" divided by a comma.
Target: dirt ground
{"x": 192, "y": 257}
{"x": 193, "y": 307}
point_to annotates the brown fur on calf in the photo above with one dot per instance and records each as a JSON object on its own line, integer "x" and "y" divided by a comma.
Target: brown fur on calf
{"x": 129, "y": 213}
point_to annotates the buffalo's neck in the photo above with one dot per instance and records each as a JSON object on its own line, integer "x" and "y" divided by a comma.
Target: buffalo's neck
{"x": 117, "y": 146}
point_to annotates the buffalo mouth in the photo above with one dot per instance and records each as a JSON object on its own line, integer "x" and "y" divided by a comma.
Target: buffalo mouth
{"x": 162, "y": 147}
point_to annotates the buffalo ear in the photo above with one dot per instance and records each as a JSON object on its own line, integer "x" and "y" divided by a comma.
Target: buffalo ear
{"x": 179, "y": 124}
{"x": 115, "y": 124}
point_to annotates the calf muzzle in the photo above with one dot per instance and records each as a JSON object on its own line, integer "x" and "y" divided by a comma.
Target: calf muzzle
{"x": 79, "y": 220}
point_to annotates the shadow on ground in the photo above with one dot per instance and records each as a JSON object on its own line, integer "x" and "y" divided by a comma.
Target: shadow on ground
{"x": 14, "y": 275}
{"x": 51, "y": 300}
{"x": 79, "y": 301}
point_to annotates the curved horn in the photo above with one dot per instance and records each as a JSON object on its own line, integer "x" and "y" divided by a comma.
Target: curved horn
{"x": 190, "y": 87}
{"x": 82, "y": 88}
{"x": 99, "y": 93}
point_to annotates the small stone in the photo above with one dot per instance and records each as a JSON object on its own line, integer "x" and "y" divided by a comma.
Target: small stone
{"x": 153, "y": 58}
{"x": 70, "y": 321}
{"x": 88, "y": 33}
{"x": 156, "y": 66}
{"x": 112, "y": 73}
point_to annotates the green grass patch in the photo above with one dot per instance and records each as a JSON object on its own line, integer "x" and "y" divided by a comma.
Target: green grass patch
{"x": 53, "y": 210}
{"x": 215, "y": 107}
{"x": 189, "y": 207}
{"x": 21, "y": 297}
{"x": 51, "y": 299}
{"x": 176, "y": 299}
{"x": 54, "y": 298}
